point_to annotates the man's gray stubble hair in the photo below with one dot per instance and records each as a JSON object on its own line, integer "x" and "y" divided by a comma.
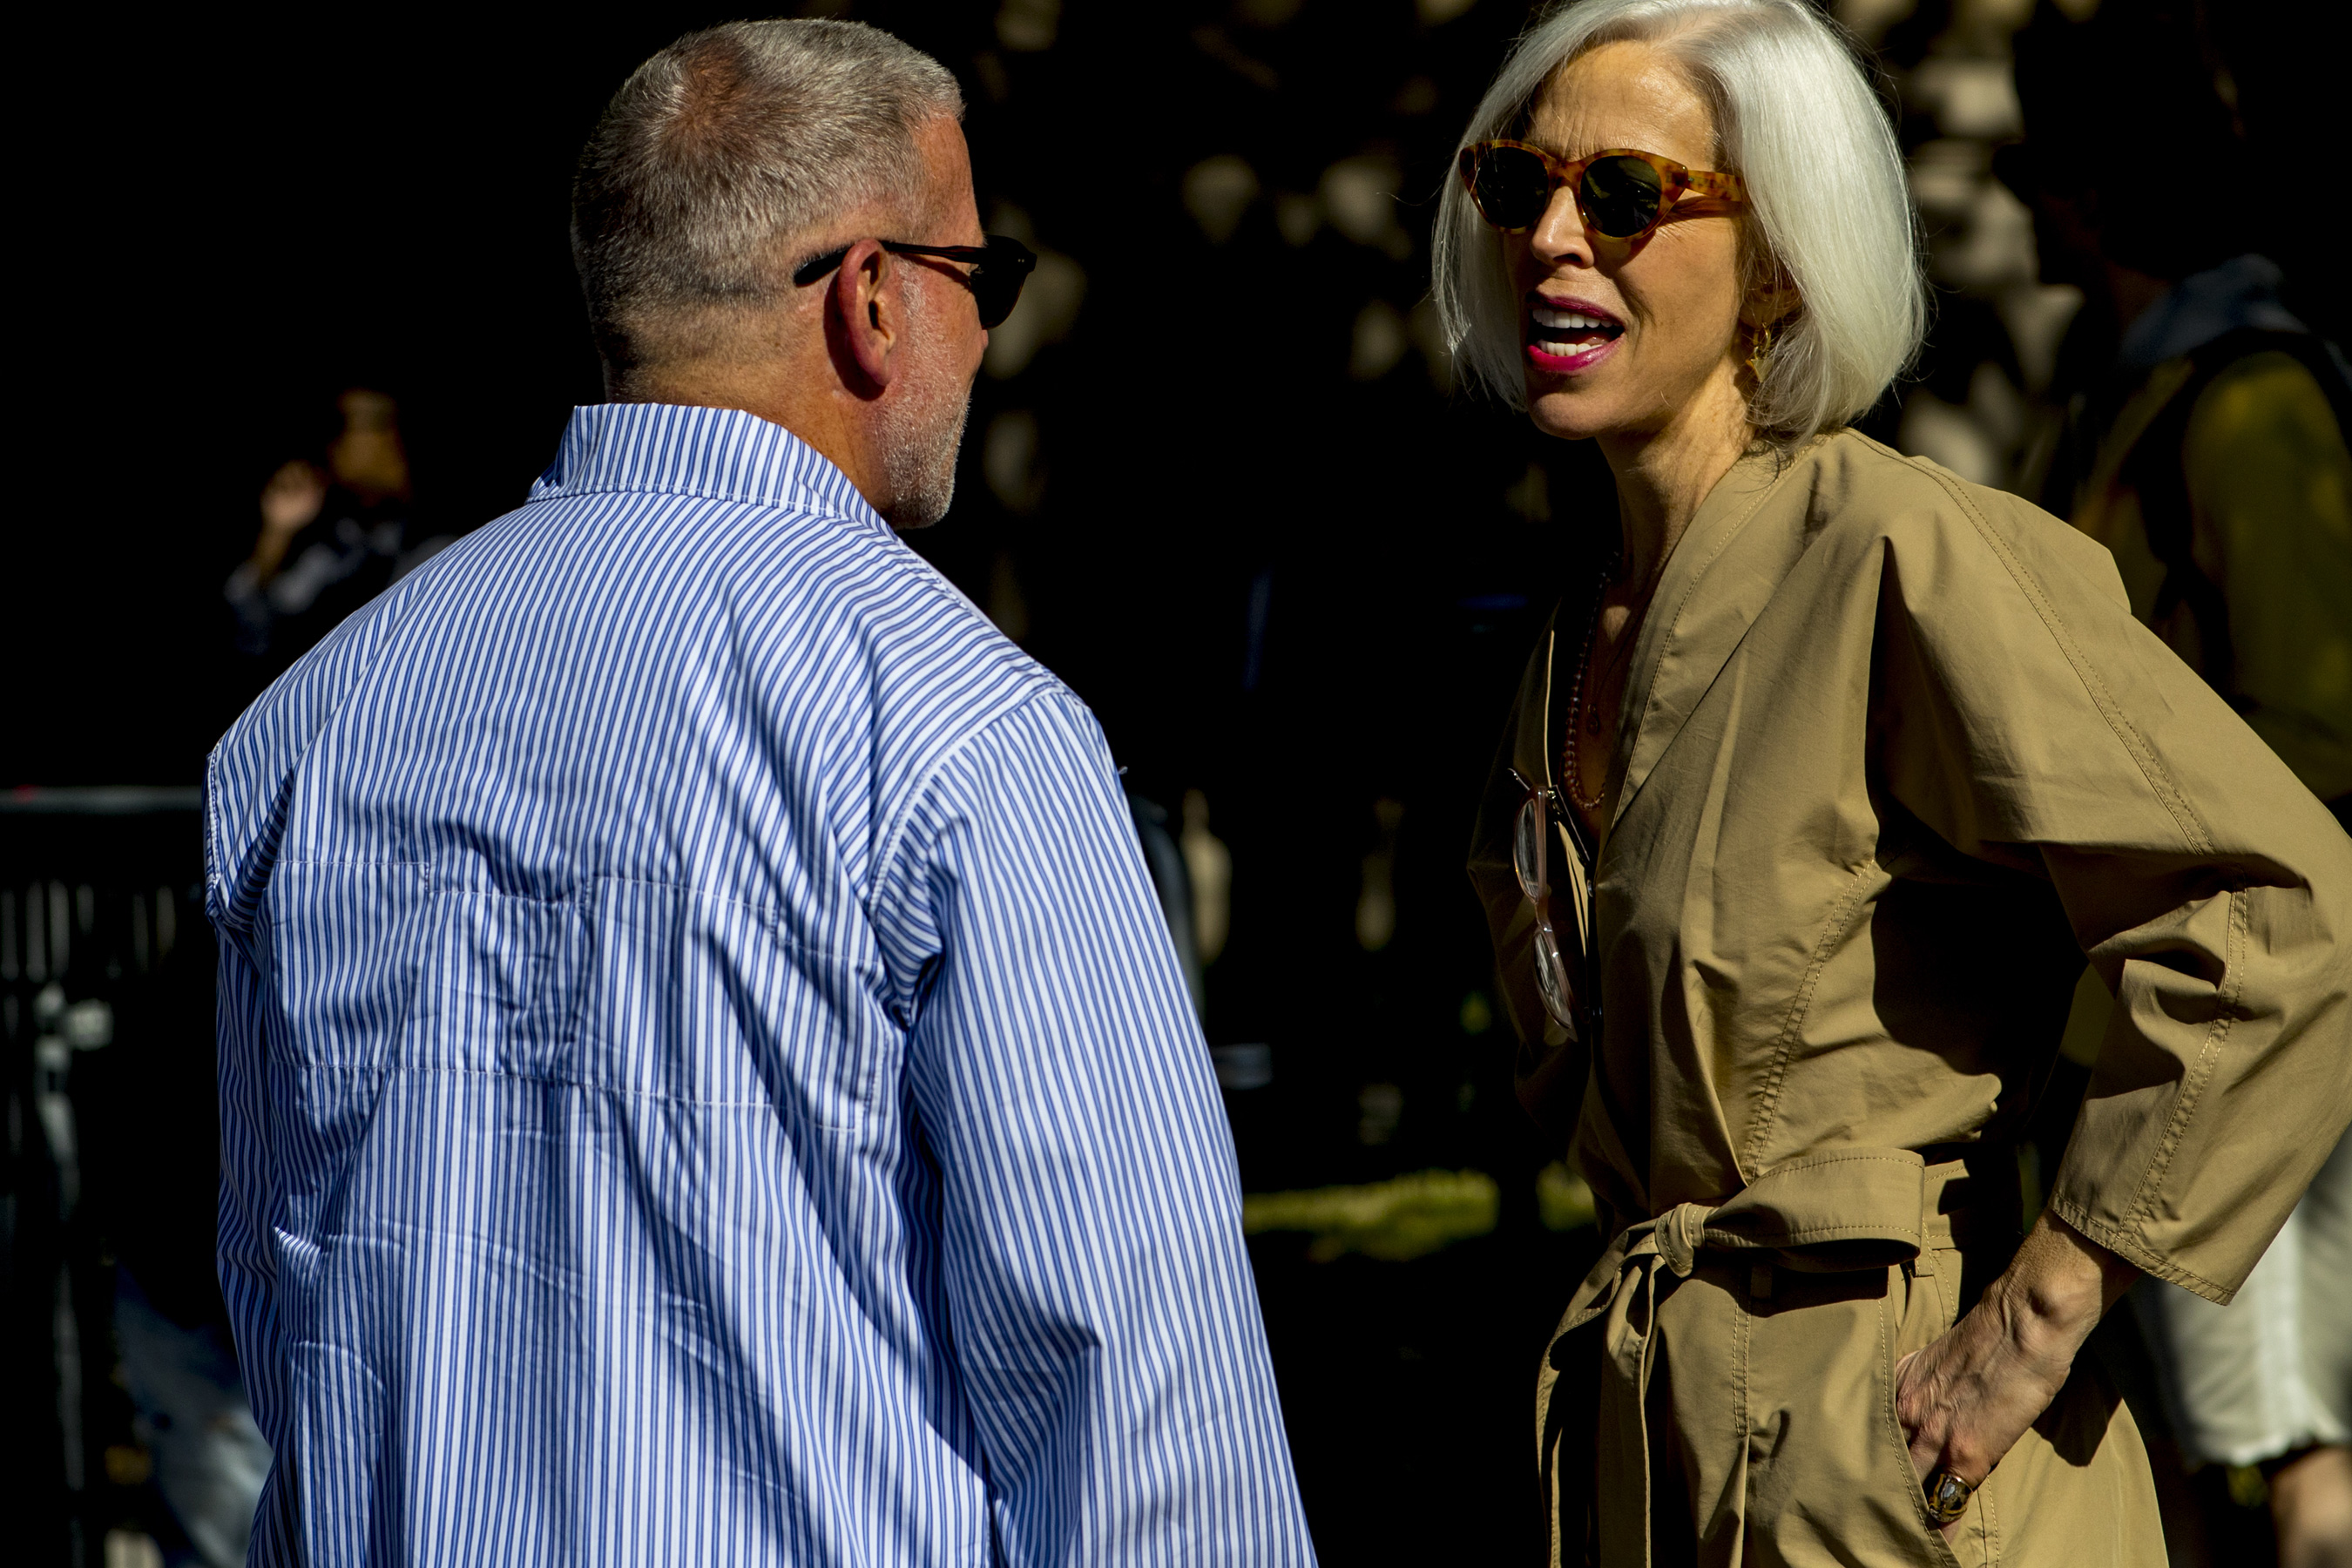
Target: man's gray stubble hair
{"x": 723, "y": 155}
{"x": 1829, "y": 205}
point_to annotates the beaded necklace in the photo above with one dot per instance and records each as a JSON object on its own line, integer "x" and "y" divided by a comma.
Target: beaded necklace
{"x": 1579, "y": 719}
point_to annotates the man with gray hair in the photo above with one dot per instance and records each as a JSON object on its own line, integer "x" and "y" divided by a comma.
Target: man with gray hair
{"x": 703, "y": 1077}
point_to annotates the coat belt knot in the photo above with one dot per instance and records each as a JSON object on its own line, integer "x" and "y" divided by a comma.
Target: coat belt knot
{"x": 1839, "y": 1210}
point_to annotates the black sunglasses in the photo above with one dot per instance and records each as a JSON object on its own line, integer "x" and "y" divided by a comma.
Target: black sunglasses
{"x": 999, "y": 269}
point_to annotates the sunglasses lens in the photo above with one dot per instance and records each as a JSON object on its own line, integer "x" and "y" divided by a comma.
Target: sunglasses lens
{"x": 996, "y": 282}
{"x": 1513, "y": 187}
{"x": 1620, "y": 196}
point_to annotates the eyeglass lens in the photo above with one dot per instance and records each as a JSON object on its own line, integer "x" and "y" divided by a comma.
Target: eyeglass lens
{"x": 1552, "y": 980}
{"x": 1528, "y": 848}
{"x": 1618, "y": 196}
{"x": 1529, "y": 834}
{"x": 996, "y": 282}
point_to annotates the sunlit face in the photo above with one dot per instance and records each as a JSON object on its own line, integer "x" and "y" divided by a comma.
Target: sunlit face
{"x": 1617, "y": 336}
{"x": 923, "y": 421}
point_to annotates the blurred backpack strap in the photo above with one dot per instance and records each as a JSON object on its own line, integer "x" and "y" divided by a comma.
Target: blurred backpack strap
{"x": 2156, "y": 470}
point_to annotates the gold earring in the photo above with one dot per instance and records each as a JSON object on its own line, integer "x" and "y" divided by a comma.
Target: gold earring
{"x": 1759, "y": 346}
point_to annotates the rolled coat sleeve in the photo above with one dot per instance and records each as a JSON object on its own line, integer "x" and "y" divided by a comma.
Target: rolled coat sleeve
{"x": 1105, "y": 1320}
{"x": 2025, "y": 716}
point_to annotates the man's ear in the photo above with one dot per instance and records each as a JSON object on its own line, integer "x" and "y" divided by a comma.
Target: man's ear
{"x": 865, "y": 316}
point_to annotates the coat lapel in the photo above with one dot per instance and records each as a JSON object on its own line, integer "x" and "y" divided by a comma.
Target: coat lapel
{"x": 1717, "y": 582}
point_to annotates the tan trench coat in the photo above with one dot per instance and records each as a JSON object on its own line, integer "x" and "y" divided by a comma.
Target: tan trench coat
{"x": 1894, "y": 759}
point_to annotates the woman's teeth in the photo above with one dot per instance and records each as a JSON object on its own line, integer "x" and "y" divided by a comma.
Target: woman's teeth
{"x": 1572, "y": 328}
{"x": 1570, "y": 319}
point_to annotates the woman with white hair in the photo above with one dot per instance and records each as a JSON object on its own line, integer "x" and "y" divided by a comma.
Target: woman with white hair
{"x": 1815, "y": 800}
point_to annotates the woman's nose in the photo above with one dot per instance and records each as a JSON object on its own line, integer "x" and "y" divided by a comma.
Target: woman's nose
{"x": 1560, "y": 235}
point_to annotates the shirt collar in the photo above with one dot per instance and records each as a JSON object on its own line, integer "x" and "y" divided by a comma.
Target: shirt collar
{"x": 723, "y": 453}
{"x": 2244, "y": 291}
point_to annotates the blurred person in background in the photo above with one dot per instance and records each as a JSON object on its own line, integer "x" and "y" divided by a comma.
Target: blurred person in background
{"x": 2208, "y": 453}
{"x": 331, "y": 539}
{"x": 704, "y": 1077}
{"x": 1815, "y": 800}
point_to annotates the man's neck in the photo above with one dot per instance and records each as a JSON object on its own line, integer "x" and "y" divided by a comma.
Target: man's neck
{"x": 804, "y": 399}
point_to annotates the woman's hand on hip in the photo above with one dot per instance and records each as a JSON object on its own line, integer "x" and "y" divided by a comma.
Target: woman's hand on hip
{"x": 1967, "y": 1398}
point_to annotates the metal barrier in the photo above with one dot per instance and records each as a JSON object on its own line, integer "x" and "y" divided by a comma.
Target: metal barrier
{"x": 99, "y": 900}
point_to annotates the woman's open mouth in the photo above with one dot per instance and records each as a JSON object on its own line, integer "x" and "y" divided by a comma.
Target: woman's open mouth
{"x": 1567, "y": 335}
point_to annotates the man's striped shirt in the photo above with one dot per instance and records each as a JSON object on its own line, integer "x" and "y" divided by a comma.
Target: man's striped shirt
{"x": 703, "y": 1077}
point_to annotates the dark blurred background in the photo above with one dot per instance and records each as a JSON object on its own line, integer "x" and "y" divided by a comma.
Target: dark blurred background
{"x": 1216, "y": 477}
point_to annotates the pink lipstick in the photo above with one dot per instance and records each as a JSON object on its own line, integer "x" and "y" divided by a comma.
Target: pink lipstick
{"x": 1565, "y": 335}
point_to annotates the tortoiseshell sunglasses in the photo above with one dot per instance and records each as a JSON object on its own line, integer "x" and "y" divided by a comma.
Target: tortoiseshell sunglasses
{"x": 1622, "y": 194}
{"x": 999, "y": 269}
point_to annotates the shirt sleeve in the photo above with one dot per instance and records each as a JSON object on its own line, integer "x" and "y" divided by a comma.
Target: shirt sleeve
{"x": 1105, "y": 1322}
{"x": 2272, "y": 485}
{"x": 247, "y": 1263}
{"x": 2027, "y": 718}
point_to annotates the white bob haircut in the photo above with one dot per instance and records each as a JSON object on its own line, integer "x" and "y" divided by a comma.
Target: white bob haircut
{"x": 1829, "y": 208}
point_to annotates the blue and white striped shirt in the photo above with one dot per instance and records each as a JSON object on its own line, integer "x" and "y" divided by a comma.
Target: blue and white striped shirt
{"x": 703, "y": 1078}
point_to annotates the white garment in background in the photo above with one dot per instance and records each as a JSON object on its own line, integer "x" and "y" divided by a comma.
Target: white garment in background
{"x": 2272, "y": 1372}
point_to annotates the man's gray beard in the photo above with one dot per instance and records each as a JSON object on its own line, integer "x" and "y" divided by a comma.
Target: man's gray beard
{"x": 921, "y": 432}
